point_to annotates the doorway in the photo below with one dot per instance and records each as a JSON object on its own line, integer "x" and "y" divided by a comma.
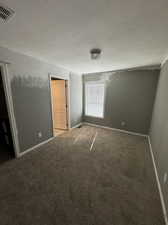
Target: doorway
{"x": 6, "y": 143}
{"x": 59, "y": 102}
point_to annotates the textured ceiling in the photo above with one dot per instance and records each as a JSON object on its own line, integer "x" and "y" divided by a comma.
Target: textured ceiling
{"x": 130, "y": 33}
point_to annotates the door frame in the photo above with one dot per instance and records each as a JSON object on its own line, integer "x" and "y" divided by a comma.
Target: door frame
{"x": 10, "y": 106}
{"x": 67, "y": 100}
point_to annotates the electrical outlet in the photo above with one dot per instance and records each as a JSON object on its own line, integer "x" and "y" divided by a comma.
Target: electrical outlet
{"x": 123, "y": 123}
{"x": 39, "y": 134}
{"x": 165, "y": 178}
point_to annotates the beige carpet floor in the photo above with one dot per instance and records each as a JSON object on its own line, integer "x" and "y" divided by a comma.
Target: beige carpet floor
{"x": 73, "y": 181}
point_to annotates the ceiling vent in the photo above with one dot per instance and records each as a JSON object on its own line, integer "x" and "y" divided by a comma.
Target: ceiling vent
{"x": 5, "y": 12}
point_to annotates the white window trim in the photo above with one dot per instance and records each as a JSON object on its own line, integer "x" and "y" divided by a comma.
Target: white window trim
{"x": 94, "y": 82}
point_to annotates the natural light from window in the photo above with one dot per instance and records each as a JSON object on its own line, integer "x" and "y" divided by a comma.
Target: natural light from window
{"x": 94, "y": 99}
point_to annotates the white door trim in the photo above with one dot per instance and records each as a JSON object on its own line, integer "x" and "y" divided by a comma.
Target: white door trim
{"x": 10, "y": 108}
{"x": 68, "y": 99}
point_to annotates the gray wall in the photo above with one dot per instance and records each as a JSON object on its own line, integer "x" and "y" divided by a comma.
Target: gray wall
{"x": 76, "y": 99}
{"x": 129, "y": 98}
{"x": 31, "y": 96}
{"x": 159, "y": 129}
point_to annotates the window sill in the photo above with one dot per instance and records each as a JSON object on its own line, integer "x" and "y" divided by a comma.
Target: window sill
{"x": 96, "y": 117}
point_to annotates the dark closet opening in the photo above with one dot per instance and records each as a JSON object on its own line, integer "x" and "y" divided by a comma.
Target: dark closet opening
{"x": 6, "y": 144}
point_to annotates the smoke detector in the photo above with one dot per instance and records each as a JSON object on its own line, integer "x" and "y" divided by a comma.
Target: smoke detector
{"x": 95, "y": 53}
{"x": 5, "y": 12}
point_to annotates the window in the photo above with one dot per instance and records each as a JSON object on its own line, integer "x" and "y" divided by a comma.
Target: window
{"x": 94, "y": 99}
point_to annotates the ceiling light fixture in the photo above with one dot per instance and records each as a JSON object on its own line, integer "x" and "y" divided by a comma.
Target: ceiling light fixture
{"x": 95, "y": 53}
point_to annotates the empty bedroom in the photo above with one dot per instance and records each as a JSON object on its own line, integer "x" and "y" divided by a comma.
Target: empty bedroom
{"x": 83, "y": 112}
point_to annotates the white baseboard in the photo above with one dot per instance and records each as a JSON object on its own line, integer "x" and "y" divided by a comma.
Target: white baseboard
{"x": 42, "y": 143}
{"x": 34, "y": 147}
{"x": 158, "y": 184}
{"x": 115, "y": 129}
{"x": 79, "y": 124}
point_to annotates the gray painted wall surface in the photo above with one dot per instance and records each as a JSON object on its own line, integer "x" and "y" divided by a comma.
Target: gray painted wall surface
{"x": 159, "y": 129}
{"x": 129, "y": 98}
{"x": 76, "y": 99}
{"x": 31, "y": 96}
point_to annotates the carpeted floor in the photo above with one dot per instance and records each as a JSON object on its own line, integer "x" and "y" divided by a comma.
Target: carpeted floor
{"x": 71, "y": 181}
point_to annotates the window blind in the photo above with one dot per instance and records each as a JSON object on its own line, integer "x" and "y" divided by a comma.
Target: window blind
{"x": 94, "y": 99}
